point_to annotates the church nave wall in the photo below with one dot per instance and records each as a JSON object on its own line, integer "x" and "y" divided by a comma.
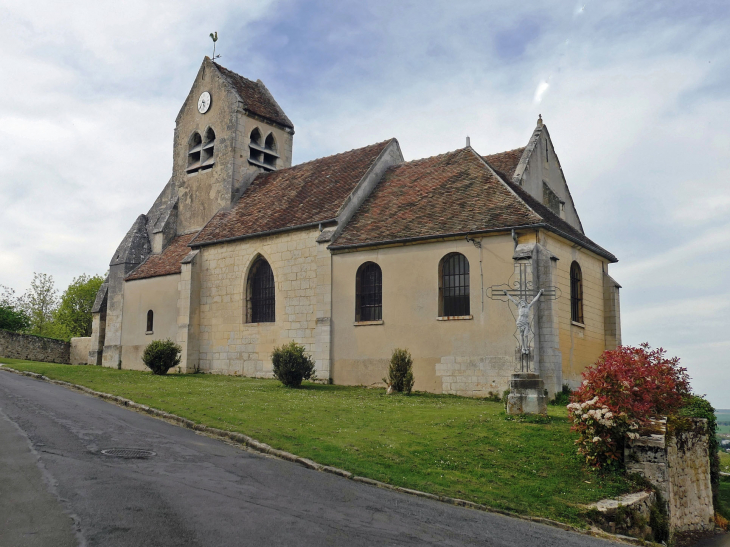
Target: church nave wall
{"x": 460, "y": 356}
{"x": 229, "y": 345}
{"x": 158, "y": 294}
{"x": 580, "y": 345}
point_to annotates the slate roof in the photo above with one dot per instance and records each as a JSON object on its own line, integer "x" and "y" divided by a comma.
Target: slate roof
{"x": 505, "y": 163}
{"x": 302, "y": 195}
{"x": 166, "y": 263}
{"x": 256, "y": 97}
{"x": 450, "y": 194}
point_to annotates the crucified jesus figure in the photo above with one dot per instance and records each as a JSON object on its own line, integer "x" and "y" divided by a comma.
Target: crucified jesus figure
{"x": 523, "y": 318}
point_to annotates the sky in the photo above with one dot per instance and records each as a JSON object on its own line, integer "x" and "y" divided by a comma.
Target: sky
{"x": 635, "y": 95}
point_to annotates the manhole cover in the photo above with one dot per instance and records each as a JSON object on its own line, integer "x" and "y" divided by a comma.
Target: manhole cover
{"x": 128, "y": 453}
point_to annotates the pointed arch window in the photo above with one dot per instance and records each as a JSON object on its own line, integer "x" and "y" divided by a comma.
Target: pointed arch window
{"x": 262, "y": 153}
{"x": 454, "y": 286}
{"x": 195, "y": 145}
{"x": 576, "y": 293}
{"x": 150, "y": 321}
{"x": 369, "y": 293}
{"x": 260, "y": 293}
{"x": 207, "y": 158}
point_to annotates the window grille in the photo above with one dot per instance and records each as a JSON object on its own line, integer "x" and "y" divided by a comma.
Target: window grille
{"x": 454, "y": 285}
{"x": 262, "y": 300}
{"x": 150, "y": 320}
{"x": 369, "y": 305}
{"x": 576, "y": 293}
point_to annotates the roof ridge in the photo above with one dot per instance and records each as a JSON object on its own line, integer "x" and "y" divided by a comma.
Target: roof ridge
{"x": 416, "y": 161}
{"x": 505, "y": 151}
{"x": 334, "y": 155}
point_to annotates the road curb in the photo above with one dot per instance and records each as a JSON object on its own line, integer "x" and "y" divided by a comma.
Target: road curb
{"x": 263, "y": 448}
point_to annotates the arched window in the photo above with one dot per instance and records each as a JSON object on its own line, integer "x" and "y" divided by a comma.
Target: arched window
{"x": 260, "y": 293}
{"x": 262, "y": 153}
{"x": 150, "y": 320}
{"x": 206, "y": 158}
{"x": 194, "y": 149}
{"x": 576, "y": 293}
{"x": 369, "y": 293}
{"x": 454, "y": 285}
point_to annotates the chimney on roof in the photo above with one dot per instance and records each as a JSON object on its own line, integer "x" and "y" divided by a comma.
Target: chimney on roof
{"x": 539, "y": 120}
{"x": 468, "y": 142}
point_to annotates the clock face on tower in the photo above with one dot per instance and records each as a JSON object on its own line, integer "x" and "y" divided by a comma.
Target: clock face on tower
{"x": 204, "y": 102}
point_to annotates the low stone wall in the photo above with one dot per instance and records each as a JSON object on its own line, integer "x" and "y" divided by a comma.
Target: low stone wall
{"x": 80, "y": 348}
{"x": 34, "y": 348}
{"x": 678, "y": 466}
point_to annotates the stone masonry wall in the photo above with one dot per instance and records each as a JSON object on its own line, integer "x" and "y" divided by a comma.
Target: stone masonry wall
{"x": 33, "y": 348}
{"x": 80, "y": 348}
{"x": 679, "y": 468}
{"x": 229, "y": 345}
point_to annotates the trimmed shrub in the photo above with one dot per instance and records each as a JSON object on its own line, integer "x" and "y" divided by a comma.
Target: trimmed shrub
{"x": 161, "y": 355}
{"x": 292, "y": 365}
{"x": 400, "y": 373}
{"x": 625, "y": 388}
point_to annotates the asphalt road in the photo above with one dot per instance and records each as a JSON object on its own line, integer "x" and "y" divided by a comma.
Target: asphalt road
{"x": 58, "y": 489}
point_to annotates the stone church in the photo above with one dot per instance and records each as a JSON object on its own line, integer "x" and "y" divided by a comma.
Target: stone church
{"x": 354, "y": 255}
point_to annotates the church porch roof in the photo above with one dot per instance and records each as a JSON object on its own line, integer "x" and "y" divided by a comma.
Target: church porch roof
{"x": 303, "y": 195}
{"x": 165, "y": 263}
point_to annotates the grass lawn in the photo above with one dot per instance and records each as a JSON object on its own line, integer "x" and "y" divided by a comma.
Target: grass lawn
{"x": 447, "y": 445}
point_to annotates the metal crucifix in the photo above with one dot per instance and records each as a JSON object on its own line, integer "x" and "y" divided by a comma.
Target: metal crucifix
{"x": 523, "y": 295}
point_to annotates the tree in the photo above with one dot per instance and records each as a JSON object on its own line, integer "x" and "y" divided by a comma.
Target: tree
{"x": 12, "y": 315}
{"x": 39, "y": 303}
{"x": 73, "y": 315}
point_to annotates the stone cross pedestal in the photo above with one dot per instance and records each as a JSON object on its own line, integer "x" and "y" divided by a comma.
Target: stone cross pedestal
{"x": 526, "y": 394}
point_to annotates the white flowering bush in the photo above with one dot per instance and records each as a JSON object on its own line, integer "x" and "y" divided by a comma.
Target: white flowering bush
{"x": 601, "y": 432}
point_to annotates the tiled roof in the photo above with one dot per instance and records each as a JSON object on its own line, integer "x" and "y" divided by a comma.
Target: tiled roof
{"x": 256, "y": 97}
{"x": 450, "y": 194}
{"x": 453, "y": 193}
{"x": 505, "y": 163}
{"x": 558, "y": 224}
{"x": 304, "y": 194}
{"x": 166, "y": 263}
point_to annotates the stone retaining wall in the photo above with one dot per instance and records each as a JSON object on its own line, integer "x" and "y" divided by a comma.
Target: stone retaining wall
{"x": 678, "y": 466}
{"x": 34, "y": 348}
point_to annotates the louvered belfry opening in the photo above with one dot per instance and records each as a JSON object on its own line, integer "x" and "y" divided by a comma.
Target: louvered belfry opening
{"x": 208, "y": 151}
{"x": 454, "y": 289}
{"x": 194, "y": 149}
{"x": 261, "y": 294}
{"x": 576, "y": 293}
{"x": 262, "y": 153}
{"x": 369, "y": 304}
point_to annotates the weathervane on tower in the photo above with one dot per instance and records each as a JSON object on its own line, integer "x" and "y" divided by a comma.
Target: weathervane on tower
{"x": 214, "y": 37}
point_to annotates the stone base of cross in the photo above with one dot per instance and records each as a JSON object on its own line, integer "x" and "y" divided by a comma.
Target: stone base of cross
{"x": 523, "y": 295}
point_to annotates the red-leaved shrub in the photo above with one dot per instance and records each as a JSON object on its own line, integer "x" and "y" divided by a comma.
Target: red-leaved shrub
{"x": 625, "y": 387}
